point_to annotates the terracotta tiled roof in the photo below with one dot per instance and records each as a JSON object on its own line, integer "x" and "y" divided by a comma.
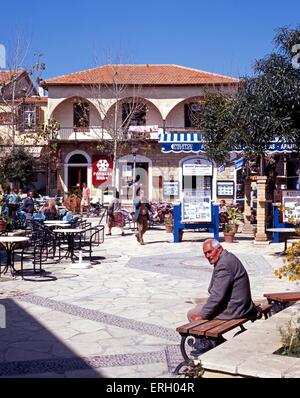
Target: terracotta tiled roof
{"x": 7, "y": 75}
{"x": 141, "y": 75}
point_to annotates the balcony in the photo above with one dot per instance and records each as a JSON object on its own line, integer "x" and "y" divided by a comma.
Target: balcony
{"x": 95, "y": 133}
{"x": 90, "y": 133}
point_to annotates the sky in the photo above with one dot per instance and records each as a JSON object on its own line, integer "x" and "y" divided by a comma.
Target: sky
{"x": 224, "y": 37}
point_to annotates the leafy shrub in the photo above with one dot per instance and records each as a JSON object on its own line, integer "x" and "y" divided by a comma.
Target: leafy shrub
{"x": 290, "y": 337}
{"x": 291, "y": 268}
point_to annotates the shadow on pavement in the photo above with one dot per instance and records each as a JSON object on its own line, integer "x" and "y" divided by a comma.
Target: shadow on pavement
{"x": 28, "y": 348}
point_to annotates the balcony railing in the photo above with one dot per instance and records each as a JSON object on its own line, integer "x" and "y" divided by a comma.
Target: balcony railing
{"x": 94, "y": 133}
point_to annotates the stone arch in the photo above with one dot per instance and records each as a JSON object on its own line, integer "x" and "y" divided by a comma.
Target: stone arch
{"x": 67, "y": 165}
{"x": 178, "y": 104}
{"x": 125, "y": 99}
{"x": 96, "y": 113}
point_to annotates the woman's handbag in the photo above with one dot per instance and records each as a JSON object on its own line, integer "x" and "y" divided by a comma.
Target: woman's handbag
{"x": 143, "y": 210}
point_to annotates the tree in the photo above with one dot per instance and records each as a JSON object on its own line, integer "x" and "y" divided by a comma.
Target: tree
{"x": 18, "y": 167}
{"x": 266, "y": 107}
{"x": 18, "y": 83}
{"x": 120, "y": 105}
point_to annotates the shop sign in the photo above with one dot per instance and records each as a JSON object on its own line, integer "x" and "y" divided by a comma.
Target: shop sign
{"x": 197, "y": 167}
{"x": 102, "y": 169}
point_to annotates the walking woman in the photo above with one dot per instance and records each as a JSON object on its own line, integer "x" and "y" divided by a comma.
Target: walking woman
{"x": 115, "y": 216}
{"x": 142, "y": 216}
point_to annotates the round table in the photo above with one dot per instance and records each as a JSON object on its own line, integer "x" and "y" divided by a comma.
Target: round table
{"x": 70, "y": 233}
{"x": 9, "y": 243}
{"x": 56, "y": 222}
{"x": 51, "y": 224}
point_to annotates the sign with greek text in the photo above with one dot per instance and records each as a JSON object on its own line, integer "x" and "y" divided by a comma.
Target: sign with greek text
{"x": 102, "y": 169}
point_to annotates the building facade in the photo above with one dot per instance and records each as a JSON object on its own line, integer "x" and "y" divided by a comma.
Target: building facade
{"x": 22, "y": 117}
{"x": 132, "y": 126}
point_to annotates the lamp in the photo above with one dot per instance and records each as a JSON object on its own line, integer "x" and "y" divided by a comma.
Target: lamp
{"x": 134, "y": 152}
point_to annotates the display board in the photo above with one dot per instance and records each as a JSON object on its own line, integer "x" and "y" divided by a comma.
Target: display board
{"x": 225, "y": 189}
{"x": 196, "y": 206}
{"x": 291, "y": 204}
{"x": 171, "y": 188}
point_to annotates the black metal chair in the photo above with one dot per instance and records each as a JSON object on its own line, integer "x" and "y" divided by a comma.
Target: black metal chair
{"x": 89, "y": 238}
{"x": 34, "y": 250}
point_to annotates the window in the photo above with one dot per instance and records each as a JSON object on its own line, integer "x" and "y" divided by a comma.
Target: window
{"x": 81, "y": 114}
{"x": 134, "y": 114}
{"x": 29, "y": 117}
{"x": 192, "y": 114}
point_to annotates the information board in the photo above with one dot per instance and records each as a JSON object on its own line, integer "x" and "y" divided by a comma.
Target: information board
{"x": 225, "y": 189}
{"x": 196, "y": 206}
{"x": 291, "y": 204}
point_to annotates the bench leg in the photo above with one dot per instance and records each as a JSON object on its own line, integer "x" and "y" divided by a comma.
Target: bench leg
{"x": 243, "y": 329}
{"x": 277, "y": 306}
{"x": 190, "y": 341}
{"x": 193, "y": 342}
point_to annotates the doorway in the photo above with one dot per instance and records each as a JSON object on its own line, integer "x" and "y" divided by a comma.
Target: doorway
{"x": 127, "y": 173}
{"x": 77, "y": 176}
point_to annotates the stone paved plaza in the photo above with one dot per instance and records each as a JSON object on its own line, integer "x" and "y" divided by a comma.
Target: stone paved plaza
{"x": 118, "y": 318}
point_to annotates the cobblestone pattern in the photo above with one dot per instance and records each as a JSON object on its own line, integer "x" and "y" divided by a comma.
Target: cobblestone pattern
{"x": 178, "y": 265}
{"x": 108, "y": 319}
{"x": 62, "y": 365}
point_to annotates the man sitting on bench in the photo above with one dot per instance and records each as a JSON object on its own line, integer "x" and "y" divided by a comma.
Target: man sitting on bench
{"x": 229, "y": 289}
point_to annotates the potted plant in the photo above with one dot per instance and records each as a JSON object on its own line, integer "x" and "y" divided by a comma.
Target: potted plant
{"x": 169, "y": 223}
{"x": 234, "y": 217}
{"x": 228, "y": 233}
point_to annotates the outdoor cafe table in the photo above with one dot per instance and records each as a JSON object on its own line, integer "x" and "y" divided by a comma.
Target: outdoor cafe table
{"x": 9, "y": 243}
{"x": 51, "y": 224}
{"x": 284, "y": 231}
{"x": 70, "y": 234}
{"x": 56, "y": 222}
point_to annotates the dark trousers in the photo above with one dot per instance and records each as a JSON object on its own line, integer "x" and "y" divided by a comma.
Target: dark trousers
{"x": 142, "y": 226}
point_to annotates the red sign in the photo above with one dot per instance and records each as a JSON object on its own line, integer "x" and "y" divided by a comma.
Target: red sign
{"x": 102, "y": 169}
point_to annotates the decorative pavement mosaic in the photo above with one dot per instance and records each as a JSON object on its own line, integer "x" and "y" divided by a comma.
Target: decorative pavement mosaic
{"x": 191, "y": 266}
{"x": 168, "y": 354}
{"x": 179, "y": 265}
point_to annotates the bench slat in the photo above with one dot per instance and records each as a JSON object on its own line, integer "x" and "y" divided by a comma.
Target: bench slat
{"x": 202, "y": 329}
{"x": 226, "y": 327}
{"x": 186, "y": 328}
{"x": 283, "y": 297}
{"x": 266, "y": 308}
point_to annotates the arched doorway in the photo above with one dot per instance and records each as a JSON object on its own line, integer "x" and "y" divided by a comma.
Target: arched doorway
{"x": 136, "y": 167}
{"x": 77, "y": 170}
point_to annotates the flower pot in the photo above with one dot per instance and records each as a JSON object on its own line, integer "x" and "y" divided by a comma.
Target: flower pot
{"x": 228, "y": 236}
{"x": 234, "y": 228}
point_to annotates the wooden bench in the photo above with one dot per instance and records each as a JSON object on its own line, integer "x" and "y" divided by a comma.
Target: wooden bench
{"x": 279, "y": 301}
{"x": 212, "y": 330}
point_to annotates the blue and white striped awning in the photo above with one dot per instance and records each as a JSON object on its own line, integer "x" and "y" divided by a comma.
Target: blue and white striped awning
{"x": 192, "y": 142}
{"x": 181, "y": 142}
